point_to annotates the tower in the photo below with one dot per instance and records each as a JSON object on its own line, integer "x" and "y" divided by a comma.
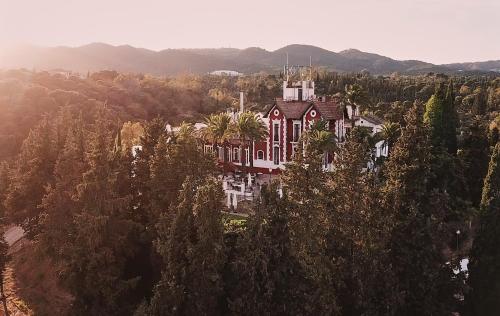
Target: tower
{"x": 298, "y": 84}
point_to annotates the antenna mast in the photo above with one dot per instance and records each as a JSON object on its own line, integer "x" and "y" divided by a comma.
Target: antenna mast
{"x": 287, "y": 70}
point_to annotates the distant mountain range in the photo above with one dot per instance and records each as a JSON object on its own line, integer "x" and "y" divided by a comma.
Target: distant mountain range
{"x": 99, "y": 56}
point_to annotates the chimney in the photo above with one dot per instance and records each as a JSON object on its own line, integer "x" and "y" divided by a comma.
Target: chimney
{"x": 241, "y": 102}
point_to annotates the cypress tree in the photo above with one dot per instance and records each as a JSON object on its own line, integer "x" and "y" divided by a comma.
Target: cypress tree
{"x": 484, "y": 269}
{"x": 268, "y": 277}
{"x": 153, "y": 131}
{"x": 174, "y": 244}
{"x": 358, "y": 230}
{"x": 441, "y": 116}
{"x": 475, "y": 154}
{"x": 193, "y": 249}
{"x": 207, "y": 256}
{"x": 450, "y": 121}
{"x": 304, "y": 183}
{"x": 422, "y": 278}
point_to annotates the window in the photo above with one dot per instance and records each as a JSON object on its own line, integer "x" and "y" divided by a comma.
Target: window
{"x": 246, "y": 156}
{"x": 276, "y": 132}
{"x": 296, "y": 132}
{"x": 236, "y": 154}
{"x": 260, "y": 154}
{"x": 276, "y": 155}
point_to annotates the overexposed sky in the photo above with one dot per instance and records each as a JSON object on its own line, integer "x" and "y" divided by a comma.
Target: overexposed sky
{"x": 438, "y": 31}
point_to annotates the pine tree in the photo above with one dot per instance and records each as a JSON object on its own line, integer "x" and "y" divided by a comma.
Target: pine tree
{"x": 59, "y": 204}
{"x": 31, "y": 176}
{"x": 176, "y": 157}
{"x": 207, "y": 256}
{"x": 484, "y": 270}
{"x": 358, "y": 231}
{"x": 475, "y": 154}
{"x": 103, "y": 238}
{"x": 268, "y": 279}
{"x": 193, "y": 249}
{"x": 153, "y": 131}
{"x": 174, "y": 244}
{"x": 304, "y": 183}
{"x": 423, "y": 278}
{"x": 491, "y": 188}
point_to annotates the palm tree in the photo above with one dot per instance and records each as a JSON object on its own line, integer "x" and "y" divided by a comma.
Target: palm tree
{"x": 319, "y": 140}
{"x": 354, "y": 96}
{"x": 217, "y": 131}
{"x": 390, "y": 133}
{"x": 249, "y": 128}
{"x": 186, "y": 131}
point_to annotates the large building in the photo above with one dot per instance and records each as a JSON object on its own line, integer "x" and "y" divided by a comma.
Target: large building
{"x": 286, "y": 121}
{"x": 288, "y": 118}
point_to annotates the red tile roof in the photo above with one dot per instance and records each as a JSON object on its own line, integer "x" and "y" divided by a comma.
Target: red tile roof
{"x": 330, "y": 110}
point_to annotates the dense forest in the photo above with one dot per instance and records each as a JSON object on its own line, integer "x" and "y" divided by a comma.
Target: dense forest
{"x": 147, "y": 234}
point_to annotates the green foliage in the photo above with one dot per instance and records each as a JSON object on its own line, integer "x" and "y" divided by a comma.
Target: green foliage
{"x": 441, "y": 116}
{"x": 248, "y": 128}
{"x": 194, "y": 251}
{"x": 353, "y": 241}
{"x": 268, "y": 279}
{"x": 484, "y": 269}
{"x": 32, "y": 174}
{"x": 491, "y": 188}
{"x": 423, "y": 285}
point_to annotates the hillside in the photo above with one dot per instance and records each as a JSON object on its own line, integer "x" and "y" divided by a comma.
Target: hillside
{"x": 125, "y": 58}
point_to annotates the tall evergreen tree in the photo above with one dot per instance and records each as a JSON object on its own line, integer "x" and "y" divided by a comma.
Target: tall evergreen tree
{"x": 60, "y": 203}
{"x": 268, "y": 277}
{"x": 103, "y": 238}
{"x": 153, "y": 131}
{"x": 475, "y": 154}
{"x": 416, "y": 244}
{"x": 193, "y": 249}
{"x": 32, "y": 174}
{"x": 175, "y": 243}
{"x": 441, "y": 116}
{"x": 358, "y": 231}
{"x": 207, "y": 256}
{"x": 304, "y": 183}
{"x": 484, "y": 268}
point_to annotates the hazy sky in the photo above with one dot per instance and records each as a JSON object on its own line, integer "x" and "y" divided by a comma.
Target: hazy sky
{"x": 438, "y": 31}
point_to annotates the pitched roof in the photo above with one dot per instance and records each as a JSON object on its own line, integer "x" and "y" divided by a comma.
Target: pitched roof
{"x": 329, "y": 110}
{"x": 295, "y": 109}
{"x": 372, "y": 119}
{"x": 292, "y": 109}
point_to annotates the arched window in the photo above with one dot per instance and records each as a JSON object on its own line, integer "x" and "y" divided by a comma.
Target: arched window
{"x": 260, "y": 154}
